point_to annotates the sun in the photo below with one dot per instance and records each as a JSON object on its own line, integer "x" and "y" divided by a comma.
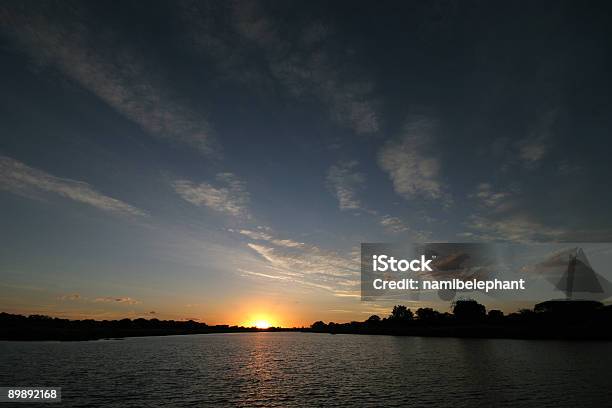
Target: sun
{"x": 262, "y": 324}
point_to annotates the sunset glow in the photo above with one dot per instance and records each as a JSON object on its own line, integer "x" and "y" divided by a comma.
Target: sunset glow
{"x": 261, "y": 324}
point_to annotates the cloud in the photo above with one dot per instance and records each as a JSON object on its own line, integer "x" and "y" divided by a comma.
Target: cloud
{"x": 533, "y": 148}
{"x": 496, "y": 200}
{"x": 566, "y": 168}
{"x": 263, "y": 275}
{"x": 105, "y": 299}
{"x": 302, "y": 63}
{"x": 411, "y": 162}
{"x": 518, "y": 223}
{"x": 21, "y": 179}
{"x": 347, "y": 293}
{"x": 508, "y": 216}
{"x": 531, "y": 151}
{"x": 264, "y": 236}
{"x": 305, "y": 265}
{"x": 70, "y": 297}
{"x": 310, "y": 70}
{"x": 231, "y": 198}
{"x": 92, "y": 57}
{"x": 515, "y": 228}
{"x": 344, "y": 182}
{"x": 393, "y": 224}
{"x": 122, "y": 300}
{"x": 307, "y": 261}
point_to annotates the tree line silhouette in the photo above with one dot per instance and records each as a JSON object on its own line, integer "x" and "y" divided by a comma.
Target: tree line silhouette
{"x": 559, "y": 319}
{"x": 41, "y": 327}
{"x": 555, "y": 319}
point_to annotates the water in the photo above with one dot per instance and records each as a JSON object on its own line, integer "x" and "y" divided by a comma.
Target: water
{"x": 304, "y": 369}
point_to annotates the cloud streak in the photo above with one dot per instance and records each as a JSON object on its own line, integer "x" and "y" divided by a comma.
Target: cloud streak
{"x": 114, "y": 74}
{"x": 264, "y": 236}
{"x": 121, "y": 300}
{"x": 70, "y": 297}
{"x": 303, "y": 264}
{"x": 308, "y": 260}
{"x": 229, "y": 196}
{"x": 24, "y": 180}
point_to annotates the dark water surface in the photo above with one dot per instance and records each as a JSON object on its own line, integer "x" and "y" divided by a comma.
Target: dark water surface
{"x": 304, "y": 369}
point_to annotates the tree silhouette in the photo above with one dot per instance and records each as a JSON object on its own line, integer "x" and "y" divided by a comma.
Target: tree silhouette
{"x": 495, "y": 315}
{"x": 319, "y": 326}
{"x": 401, "y": 313}
{"x": 374, "y": 319}
{"x": 428, "y": 315}
{"x": 469, "y": 310}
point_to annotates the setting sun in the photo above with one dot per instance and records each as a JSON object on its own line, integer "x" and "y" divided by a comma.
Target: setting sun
{"x": 258, "y": 315}
{"x": 261, "y": 324}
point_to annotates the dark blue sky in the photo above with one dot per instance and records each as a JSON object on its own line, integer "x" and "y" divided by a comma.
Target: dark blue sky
{"x": 185, "y": 158}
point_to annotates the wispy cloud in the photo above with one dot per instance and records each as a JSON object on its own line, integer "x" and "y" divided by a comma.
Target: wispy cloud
{"x": 24, "y": 180}
{"x": 566, "y": 168}
{"x": 305, "y": 265}
{"x": 344, "y": 182}
{"x": 504, "y": 214}
{"x": 493, "y": 199}
{"x": 116, "y": 74}
{"x": 229, "y": 196}
{"x": 513, "y": 227}
{"x": 393, "y": 224}
{"x": 304, "y": 66}
{"x": 103, "y": 299}
{"x": 411, "y": 162}
{"x": 260, "y": 235}
{"x": 307, "y": 260}
{"x": 533, "y": 148}
{"x": 309, "y": 70}
{"x": 70, "y": 297}
{"x": 262, "y": 275}
{"x": 122, "y": 300}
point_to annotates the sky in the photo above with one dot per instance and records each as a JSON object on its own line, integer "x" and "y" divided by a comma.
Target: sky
{"x": 223, "y": 161}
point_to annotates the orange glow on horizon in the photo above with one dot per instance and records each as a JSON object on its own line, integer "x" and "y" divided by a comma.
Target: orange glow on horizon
{"x": 262, "y": 320}
{"x": 261, "y": 324}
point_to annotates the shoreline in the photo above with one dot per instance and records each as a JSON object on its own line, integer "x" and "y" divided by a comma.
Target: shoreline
{"x": 460, "y": 332}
